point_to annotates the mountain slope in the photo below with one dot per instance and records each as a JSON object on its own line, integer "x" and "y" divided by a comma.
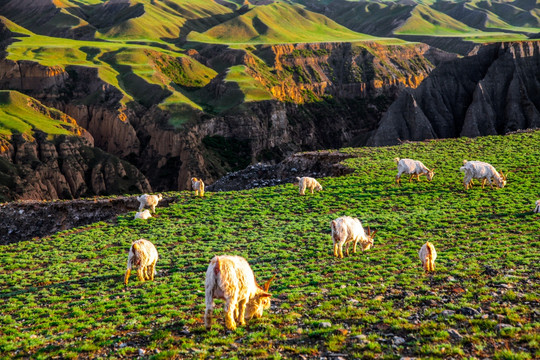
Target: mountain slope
{"x": 277, "y": 23}
{"x": 494, "y": 91}
{"x": 45, "y": 154}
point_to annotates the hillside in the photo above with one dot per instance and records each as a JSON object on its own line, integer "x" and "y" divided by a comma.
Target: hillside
{"x": 278, "y": 23}
{"x": 45, "y": 154}
{"x": 63, "y": 296}
{"x": 183, "y": 88}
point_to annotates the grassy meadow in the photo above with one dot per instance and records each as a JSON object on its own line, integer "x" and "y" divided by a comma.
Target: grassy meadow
{"x": 63, "y": 296}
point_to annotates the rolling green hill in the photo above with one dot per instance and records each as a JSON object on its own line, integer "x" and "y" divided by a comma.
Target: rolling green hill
{"x": 63, "y": 296}
{"x": 21, "y": 114}
{"x": 278, "y": 22}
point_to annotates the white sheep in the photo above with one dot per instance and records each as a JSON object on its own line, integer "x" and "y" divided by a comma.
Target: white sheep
{"x": 537, "y": 208}
{"x": 149, "y": 200}
{"x": 413, "y": 168}
{"x": 346, "y": 230}
{"x": 230, "y": 278}
{"x": 198, "y": 186}
{"x": 143, "y": 256}
{"x": 427, "y": 256}
{"x": 143, "y": 215}
{"x": 482, "y": 171}
{"x": 307, "y": 183}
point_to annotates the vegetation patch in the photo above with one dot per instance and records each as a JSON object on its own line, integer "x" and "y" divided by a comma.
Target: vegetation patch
{"x": 63, "y": 296}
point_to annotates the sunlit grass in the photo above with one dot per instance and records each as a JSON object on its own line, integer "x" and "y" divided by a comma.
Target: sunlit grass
{"x": 63, "y": 295}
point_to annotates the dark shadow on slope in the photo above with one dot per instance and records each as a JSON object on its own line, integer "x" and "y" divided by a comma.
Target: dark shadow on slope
{"x": 143, "y": 92}
{"x": 204, "y": 24}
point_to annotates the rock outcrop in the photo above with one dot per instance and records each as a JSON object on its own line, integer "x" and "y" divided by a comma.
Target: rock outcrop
{"x": 314, "y": 163}
{"x": 66, "y": 167}
{"x": 494, "y": 90}
{"x": 24, "y": 220}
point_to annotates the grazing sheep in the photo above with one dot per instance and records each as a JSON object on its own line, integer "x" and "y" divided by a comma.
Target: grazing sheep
{"x": 309, "y": 183}
{"x": 230, "y": 278}
{"x": 143, "y": 215}
{"x": 346, "y": 230}
{"x": 149, "y": 200}
{"x": 537, "y": 208}
{"x": 482, "y": 171}
{"x": 143, "y": 256}
{"x": 198, "y": 186}
{"x": 412, "y": 167}
{"x": 428, "y": 255}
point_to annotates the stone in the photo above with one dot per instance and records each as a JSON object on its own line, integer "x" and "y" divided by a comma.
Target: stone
{"x": 455, "y": 334}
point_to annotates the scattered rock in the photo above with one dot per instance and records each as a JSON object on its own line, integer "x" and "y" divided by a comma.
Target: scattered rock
{"x": 468, "y": 311}
{"x": 142, "y": 352}
{"x": 325, "y": 324}
{"x": 378, "y": 298}
{"x": 398, "y": 340}
{"x": 455, "y": 334}
{"x": 447, "y": 313}
{"x": 499, "y": 327}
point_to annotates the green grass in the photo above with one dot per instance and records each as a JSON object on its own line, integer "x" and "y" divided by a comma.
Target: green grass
{"x": 21, "y": 114}
{"x": 278, "y": 22}
{"x": 63, "y": 296}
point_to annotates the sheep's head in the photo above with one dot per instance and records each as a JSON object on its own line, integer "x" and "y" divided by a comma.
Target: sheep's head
{"x": 501, "y": 180}
{"x": 319, "y": 187}
{"x": 366, "y": 245}
{"x": 260, "y": 302}
{"x": 430, "y": 174}
{"x": 160, "y": 197}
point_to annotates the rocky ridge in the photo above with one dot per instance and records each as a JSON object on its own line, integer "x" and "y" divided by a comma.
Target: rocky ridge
{"x": 494, "y": 90}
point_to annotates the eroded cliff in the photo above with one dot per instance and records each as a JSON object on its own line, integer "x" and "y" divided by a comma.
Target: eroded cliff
{"x": 494, "y": 90}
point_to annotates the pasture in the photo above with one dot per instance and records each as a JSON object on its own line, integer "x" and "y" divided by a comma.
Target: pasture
{"x": 63, "y": 296}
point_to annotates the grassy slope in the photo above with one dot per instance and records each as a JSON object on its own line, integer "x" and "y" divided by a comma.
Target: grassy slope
{"x": 278, "y": 23}
{"x": 162, "y": 20}
{"x": 24, "y": 115}
{"x": 129, "y": 67}
{"x": 426, "y": 21}
{"x": 64, "y": 295}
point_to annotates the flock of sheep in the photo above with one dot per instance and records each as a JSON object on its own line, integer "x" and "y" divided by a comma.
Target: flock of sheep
{"x": 230, "y": 277}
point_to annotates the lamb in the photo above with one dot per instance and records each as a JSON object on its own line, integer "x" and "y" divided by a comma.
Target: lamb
{"x": 346, "y": 230}
{"x": 149, "y": 200}
{"x": 143, "y": 215}
{"x": 309, "y": 183}
{"x": 412, "y": 167}
{"x": 230, "y": 278}
{"x": 428, "y": 255}
{"x": 198, "y": 186}
{"x": 482, "y": 171}
{"x": 537, "y": 208}
{"x": 143, "y": 256}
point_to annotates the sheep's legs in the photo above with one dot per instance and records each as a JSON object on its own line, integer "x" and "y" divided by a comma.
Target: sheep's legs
{"x": 354, "y": 248}
{"x": 410, "y": 179}
{"x": 208, "y": 314}
{"x": 398, "y": 179}
{"x": 126, "y": 277}
{"x": 241, "y": 312}
{"x": 340, "y": 248}
{"x": 229, "y": 313}
{"x": 335, "y": 249}
{"x": 152, "y": 270}
{"x": 140, "y": 273}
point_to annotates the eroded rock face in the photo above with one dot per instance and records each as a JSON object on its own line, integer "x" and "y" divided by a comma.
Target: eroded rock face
{"x": 495, "y": 90}
{"x": 64, "y": 168}
{"x": 315, "y": 164}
